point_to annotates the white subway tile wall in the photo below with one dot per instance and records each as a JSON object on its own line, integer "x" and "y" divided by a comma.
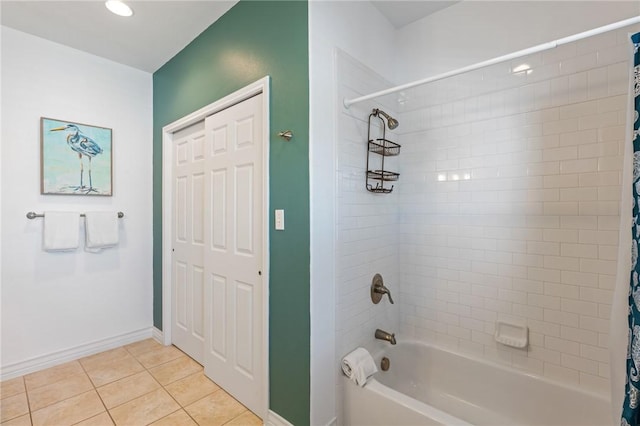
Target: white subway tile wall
{"x": 367, "y": 236}
{"x": 508, "y": 207}
{"x": 367, "y": 224}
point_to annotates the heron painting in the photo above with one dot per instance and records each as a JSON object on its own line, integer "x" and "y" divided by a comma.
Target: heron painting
{"x": 75, "y": 158}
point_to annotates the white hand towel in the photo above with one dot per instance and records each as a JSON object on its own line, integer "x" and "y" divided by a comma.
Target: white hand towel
{"x": 359, "y": 366}
{"x": 101, "y": 230}
{"x": 61, "y": 231}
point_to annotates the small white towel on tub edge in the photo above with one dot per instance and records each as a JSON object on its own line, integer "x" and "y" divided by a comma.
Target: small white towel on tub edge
{"x": 358, "y": 365}
{"x": 61, "y": 231}
{"x": 101, "y": 230}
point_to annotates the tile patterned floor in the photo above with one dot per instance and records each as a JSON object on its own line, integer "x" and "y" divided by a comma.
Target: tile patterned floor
{"x": 143, "y": 383}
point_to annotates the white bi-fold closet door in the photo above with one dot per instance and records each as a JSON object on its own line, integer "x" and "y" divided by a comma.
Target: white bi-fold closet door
{"x": 217, "y": 283}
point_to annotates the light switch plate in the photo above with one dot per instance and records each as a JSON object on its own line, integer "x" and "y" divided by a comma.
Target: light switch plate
{"x": 279, "y": 219}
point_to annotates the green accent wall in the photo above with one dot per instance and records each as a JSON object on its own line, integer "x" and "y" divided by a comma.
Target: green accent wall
{"x": 252, "y": 40}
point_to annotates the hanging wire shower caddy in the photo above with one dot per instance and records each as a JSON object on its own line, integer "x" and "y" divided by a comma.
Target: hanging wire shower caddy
{"x": 385, "y": 148}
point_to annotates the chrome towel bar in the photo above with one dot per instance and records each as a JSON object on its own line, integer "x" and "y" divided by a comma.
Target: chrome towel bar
{"x": 33, "y": 215}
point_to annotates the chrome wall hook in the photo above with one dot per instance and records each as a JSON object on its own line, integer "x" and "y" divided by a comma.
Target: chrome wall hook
{"x": 286, "y": 135}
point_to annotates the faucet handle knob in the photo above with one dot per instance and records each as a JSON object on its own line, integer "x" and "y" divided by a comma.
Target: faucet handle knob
{"x": 378, "y": 289}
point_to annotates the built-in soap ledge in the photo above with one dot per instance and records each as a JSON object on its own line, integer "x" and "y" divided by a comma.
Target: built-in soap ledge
{"x": 512, "y": 334}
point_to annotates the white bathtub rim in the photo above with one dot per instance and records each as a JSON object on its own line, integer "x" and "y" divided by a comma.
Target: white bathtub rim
{"x": 606, "y": 398}
{"x": 413, "y": 404}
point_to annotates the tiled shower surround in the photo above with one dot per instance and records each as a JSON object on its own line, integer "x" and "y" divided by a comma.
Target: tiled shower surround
{"x": 507, "y": 208}
{"x": 367, "y": 224}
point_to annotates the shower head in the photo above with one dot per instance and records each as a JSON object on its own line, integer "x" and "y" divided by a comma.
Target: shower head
{"x": 392, "y": 123}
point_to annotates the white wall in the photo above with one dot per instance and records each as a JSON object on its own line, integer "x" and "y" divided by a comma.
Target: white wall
{"x": 56, "y": 302}
{"x": 359, "y": 29}
{"x": 510, "y": 194}
{"x": 471, "y": 31}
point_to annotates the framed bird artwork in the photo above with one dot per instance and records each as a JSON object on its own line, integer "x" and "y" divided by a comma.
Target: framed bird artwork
{"x": 75, "y": 158}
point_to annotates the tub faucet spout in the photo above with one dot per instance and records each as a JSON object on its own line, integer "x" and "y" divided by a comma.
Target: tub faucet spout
{"x": 383, "y": 335}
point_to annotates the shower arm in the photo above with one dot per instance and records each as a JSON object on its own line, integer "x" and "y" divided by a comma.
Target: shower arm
{"x": 392, "y": 123}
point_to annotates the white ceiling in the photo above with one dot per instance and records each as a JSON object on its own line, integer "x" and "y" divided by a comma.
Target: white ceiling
{"x": 156, "y": 32}
{"x": 401, "y": 12}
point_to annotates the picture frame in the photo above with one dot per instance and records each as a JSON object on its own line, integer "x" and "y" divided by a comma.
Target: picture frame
{"x": 75, "y": 158}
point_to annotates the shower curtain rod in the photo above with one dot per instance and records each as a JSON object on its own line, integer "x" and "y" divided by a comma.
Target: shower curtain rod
{"x": 539, "y": 48}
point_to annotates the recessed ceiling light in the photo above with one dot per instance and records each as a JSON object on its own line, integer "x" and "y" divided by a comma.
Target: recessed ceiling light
{"x": 118, "y": 7}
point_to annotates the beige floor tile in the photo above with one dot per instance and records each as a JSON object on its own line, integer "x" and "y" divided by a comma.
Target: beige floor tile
{"x": 13, "y": 406}
{"x": 246, "y": 419}
{"x": 12, "y": 387}
{"x": 58, "y": 391}
{"x": 102, "y": 359}
{"x": 69, "y": 411}
{"x": 215, "y": 409}
{"x": 144, "y": 409}
{"x": 124, "y": 390}
{"x": 52, "y": 375}
{"x": 116, "y": 370}
{"x": 159, "y": 356}
{"x": 102, "y": 419}
{"x": 191, "y": 388}
{"x": 64, "y": 394}
{"x": 143, "y": 346}
{"x": 179, "y": 418}
{"x": 19, "y": 421}
{"x": 175, "y": 370}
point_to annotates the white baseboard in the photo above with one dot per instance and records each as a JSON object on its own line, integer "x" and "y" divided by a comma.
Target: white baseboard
{"x": 60, "y": 357}
{"x": 158, "y": 336}
{"x": 274, "y": 419}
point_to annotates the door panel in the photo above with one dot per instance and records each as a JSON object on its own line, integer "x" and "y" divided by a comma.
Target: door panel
{"x": 218, "y": 294}
{"x": 244, "y": 328}
{"x": 244, "y": 208}
{"x": 218, "y": 207}
{"x": 180, "y": 233}
{"x": 198, "y": 302}
{"x": 197, "y": 207}
{"x": 181, "y": 294}
{"x": 188, "y": 329}
{"x": 234, "y": 325}
{"x": 218, "y": 315}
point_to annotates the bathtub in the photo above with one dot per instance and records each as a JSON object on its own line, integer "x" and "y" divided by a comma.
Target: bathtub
{"x": 426, "y": 385}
